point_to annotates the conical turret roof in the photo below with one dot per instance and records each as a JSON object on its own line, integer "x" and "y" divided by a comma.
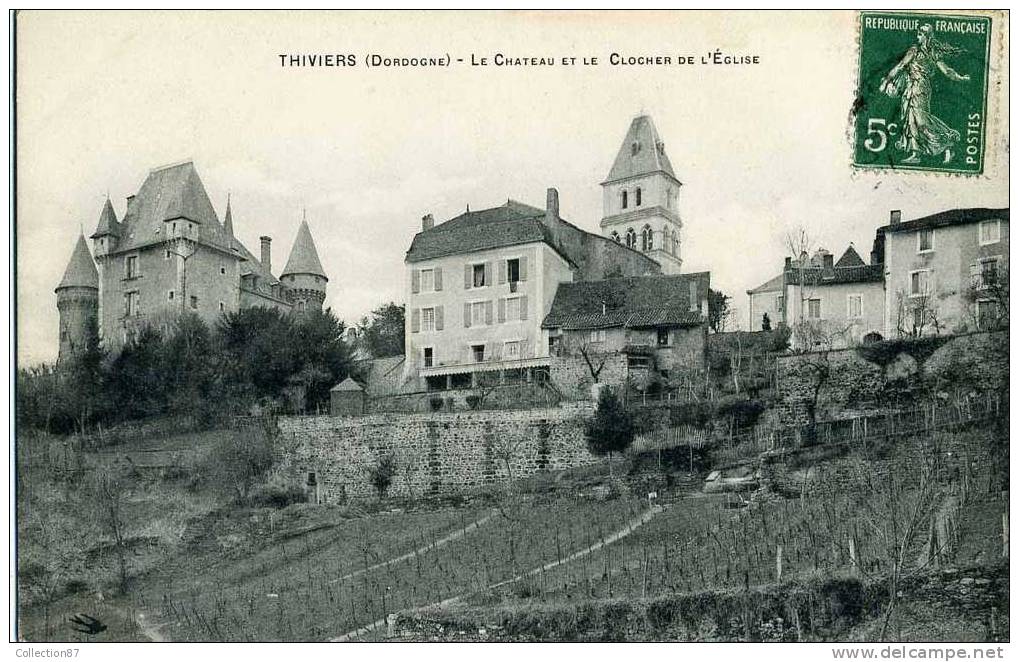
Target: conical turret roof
{"x": 303, "y": 256}
{"x": 81, "y": 269}
{"x": 641, "y": 153}
{"x": 108, "y": 223}
{"x": 228, "y": 219}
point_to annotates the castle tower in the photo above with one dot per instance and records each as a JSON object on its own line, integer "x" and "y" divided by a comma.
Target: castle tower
{"x": 303, "y": 276}
{"x": 78, "y": 303}
{"x": 640, "y": 197}
{"x": 107, "y": 234}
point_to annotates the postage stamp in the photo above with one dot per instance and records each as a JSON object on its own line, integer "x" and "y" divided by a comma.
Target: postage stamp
{"x": 922, "y": 96}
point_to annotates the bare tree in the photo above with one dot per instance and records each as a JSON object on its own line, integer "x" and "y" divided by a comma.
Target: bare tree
{"x": 988, "y": 296}
{"x": 110, "y": 494}
{"x": 798, "y": 243}
{"x": 822, "y": 338}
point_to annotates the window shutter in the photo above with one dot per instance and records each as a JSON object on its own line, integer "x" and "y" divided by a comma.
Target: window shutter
{"x": 502, "y": 271}
{"x": 502, "y": 310}
{"x": 467, "y": 315}
{"x": 415, "y": 280}
{"x": 488, "y": 311}
{"x": 523, "y": 268}
{"x": 438, "y": 318}
{"x": 489, "y": 277}
{"x": 415, "y": 320}
{"x": 467, "y": 276}
{"x": 438, "y": 279}
{"x": 523, "y": 307}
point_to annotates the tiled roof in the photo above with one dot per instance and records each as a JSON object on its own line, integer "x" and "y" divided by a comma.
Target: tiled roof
{"x": 108, "y": 224}
{"x": 511, "y": 224}
{"x": 167, "y": 194}
{"x": 304, "y": 256}
{"x": 947, "y": 218}
{"x": 865, "y": 273}
{"x": 639, "y": 301}
{"x": 81, "y": 269}
{"x": 648, "y": 157}
{"x": 850, "y": 259}
{"x": 773, "y": 285}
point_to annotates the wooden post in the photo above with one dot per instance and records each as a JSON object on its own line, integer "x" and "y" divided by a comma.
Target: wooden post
{"x": 852, "y": 555}
{"x": 778, "y": 564}
{"x": 1004, "y": 534}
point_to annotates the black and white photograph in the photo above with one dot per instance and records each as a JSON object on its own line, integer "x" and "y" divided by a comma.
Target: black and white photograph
{"x": 510, "y": 326}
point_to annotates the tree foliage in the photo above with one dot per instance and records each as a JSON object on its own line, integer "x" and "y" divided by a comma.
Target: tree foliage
{"x": 719, "y": 310}
{"x": 383, "y": 333}
{"x": 611, "y": 428}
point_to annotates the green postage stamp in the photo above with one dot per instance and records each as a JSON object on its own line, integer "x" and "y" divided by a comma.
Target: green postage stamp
{"x": 922, "y": 96}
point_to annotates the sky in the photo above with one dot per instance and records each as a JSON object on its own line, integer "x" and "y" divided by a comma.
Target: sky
{"x": 761, "y": 149}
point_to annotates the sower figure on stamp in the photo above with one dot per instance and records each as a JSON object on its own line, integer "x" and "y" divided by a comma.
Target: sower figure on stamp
{"x": 922, "y": 132}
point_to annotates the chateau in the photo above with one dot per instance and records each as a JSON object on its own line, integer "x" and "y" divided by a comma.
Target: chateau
{"x": 170, "y": 254}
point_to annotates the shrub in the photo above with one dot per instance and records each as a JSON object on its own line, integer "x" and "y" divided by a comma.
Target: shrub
{"x": 381, "y": 475}
{"x": 611, "y": 429}
{"x": 435, "y": 402}
{"x": 473, "y": 401}
{"x": 744, "y": 412}
{"x": 277, "y": 493}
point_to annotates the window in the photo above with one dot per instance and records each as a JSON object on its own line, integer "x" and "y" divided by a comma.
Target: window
{"x": 194, "y": 302}
{"x": 222, "y": 270}
{"x": 513, "y": 308}
{"x": 427, "y": 280}
{"x": 918, "y": 319}
{"x": 919, "y": 283}
{"x": 990, "y": 232}
{"x": 855, "y": 306}
{"x": 638, "y": 361}
{"x": 478, "y": 310}
{"x": 511, "y": 350}
{"x": 169, "y": 295}
{"x": 634, "y": 148}
{"x": 636, "y": 197}
{"x": 513, "y": 270}
{"x": 675, "y": 242}
{"x": 624, "y": 199}
{"x": 647, "y": 239}
{"x": 988, "y": 272}
{"x": 167, "y": 255}
{"x": 301, "y": 304}
{"x": 779, "y": 303}
{"x": 131, "y": 304}
{"x": 615, "y": 236}
{"x": 478, "y": 275}
{"x": 427, "y": 357}
{"x": 222, "y": 306}
{"x": 131, "y": 266}
{"x": 598, "y": 335}
{"x": 478, "y": 352}
{"x": 631, "y": 238}
{"x": 427, "y": 319}
{"x": 814, "y": 309}
{"x": 663, "y": 337}
{"x": 987, "y": 314}
{"x": 925, "y": 240}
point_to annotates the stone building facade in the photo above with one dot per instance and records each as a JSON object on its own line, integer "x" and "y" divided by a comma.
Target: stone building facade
{"x": 170, "y": 255}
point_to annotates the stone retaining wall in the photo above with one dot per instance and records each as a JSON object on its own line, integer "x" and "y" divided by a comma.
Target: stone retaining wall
{"x": 435, "y": 453}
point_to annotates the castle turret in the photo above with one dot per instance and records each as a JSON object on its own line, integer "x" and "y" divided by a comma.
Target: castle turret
{"x": 303, "y": 276}
{"x": 78, "y": 302}
{"x": 641, "y": 195}
{"x": 107, "y": 234}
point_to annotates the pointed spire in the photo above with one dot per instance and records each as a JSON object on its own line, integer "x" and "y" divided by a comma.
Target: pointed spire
{"x": 304, "y": 256}
{"x": 641, "y": 153}
{"x": 228, "y": 219}
{"x": 81, "y": 269}
{"x": 108, "y": 224}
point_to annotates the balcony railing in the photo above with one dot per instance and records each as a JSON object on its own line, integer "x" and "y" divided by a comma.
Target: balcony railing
{"x": 487, "y": 365}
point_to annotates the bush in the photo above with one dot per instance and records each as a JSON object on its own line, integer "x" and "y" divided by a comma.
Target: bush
{"x": 435, "y": 403}
{"x": 276, "y": 493}
{"x": 743, "y": 412}
{"x": 381, "y": 475}
{"x": 473, "y": 401}
{"x": 695, "y": 414}
{"x": 611, "y": 429}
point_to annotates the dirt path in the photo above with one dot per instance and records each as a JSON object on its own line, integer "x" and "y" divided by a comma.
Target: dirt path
{"x": 630, "y": 527}
{"x": 456, "y": 535}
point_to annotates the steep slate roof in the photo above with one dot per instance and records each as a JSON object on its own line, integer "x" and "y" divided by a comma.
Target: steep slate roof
{"x": 303, "y": 256}
{"x": 228, "y": 219}
{"x": 650, "y": 156}
{"x": 511, "y": 224}
{"x": 774, "y": 285}
{"x": 108, "y": 224}
{"x": 947, "y": 218}
{"x": 170, "y": 193}
{"x": 81, "y": 269}
{"x": 640, "y": 301}
{"x": 850, "y": 259}
{"x": 864, "y": 273}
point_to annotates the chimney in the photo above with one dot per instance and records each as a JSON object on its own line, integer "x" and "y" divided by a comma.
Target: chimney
{"x": 427, "y": 222}
{"x": 266, "y": 252}
{"x": 551, "y": 206}
{"x": 828, "y": 260}
{"x": 788, "y": 263}
{"x": 895, "y": 217}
